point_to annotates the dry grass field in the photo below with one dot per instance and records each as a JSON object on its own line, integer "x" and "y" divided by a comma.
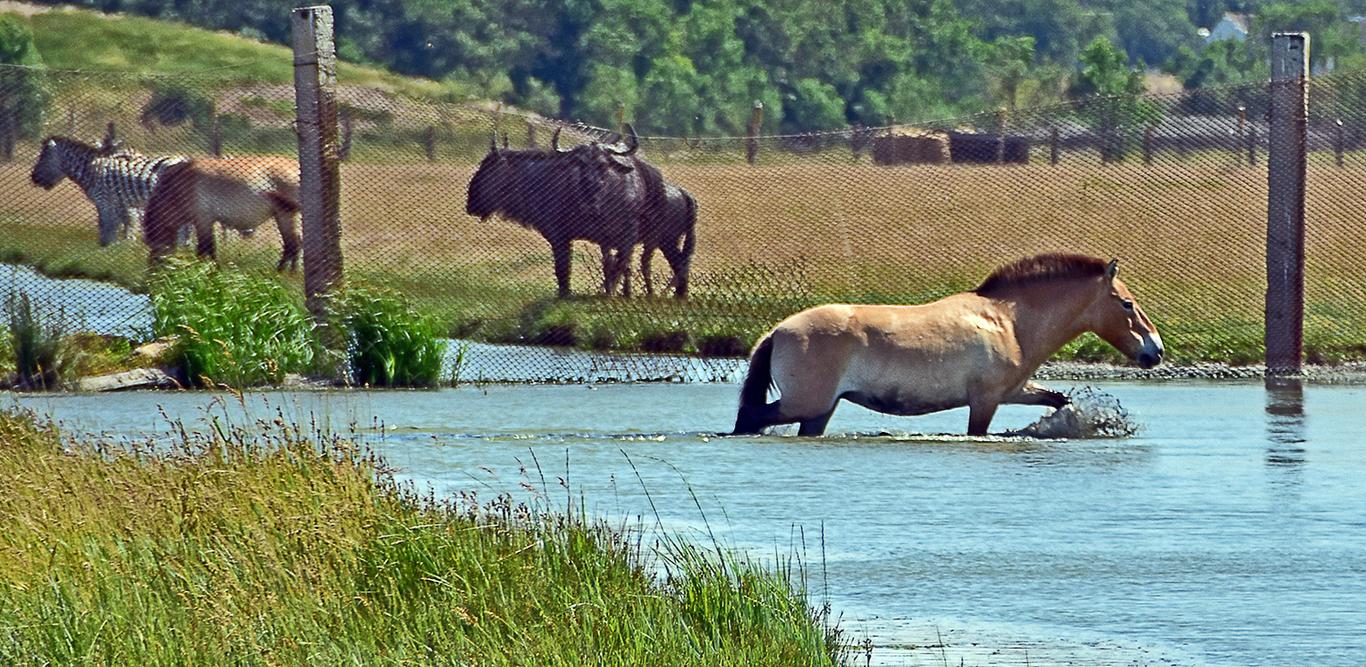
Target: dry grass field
{"x": 775, "y": 237}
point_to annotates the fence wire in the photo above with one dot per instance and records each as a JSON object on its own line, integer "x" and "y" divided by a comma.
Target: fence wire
{"x": 1175, "y": 187}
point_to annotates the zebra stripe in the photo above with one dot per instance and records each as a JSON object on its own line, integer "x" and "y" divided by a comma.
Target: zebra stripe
{"x": 114, "y": 183}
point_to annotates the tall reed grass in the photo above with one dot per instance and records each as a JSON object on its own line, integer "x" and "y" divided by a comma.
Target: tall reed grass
{"x": 270, "y": 544}
{"x": 236, "y": 328}
{"x": 41, "y": 358}
{"x": 389, "y": 343}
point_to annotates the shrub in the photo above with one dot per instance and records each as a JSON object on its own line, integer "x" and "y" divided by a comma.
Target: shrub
{"x": 233, "y": 328}
{"x": 388, "y": 343}
{"x": 41, "y": 359}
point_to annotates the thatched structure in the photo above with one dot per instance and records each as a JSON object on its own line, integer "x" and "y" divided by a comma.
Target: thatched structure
{"x": 911, "y": 146}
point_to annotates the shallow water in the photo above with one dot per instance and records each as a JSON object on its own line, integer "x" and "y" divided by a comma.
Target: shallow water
{"x": 1231, "y": 530}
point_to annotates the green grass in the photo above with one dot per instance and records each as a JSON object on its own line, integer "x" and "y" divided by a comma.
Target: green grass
{"x": 232, "y": 327}
{"x": 268, "y": 545}
{"x": 388, "y": 342}
{"x": 42, "y": 360}
{"x": 75, "y": 39}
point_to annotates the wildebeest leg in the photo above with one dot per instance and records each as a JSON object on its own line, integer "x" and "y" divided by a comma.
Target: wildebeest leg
{"x": 559, "y": 248}
{"x": 624, "y": 268}
{"x": 816, "y": 425}
{"x": 647, "y": 253}
{"x": 678, "y": 263}
{"x": 1035, "y": 394}
{"x": 289, "y": 237}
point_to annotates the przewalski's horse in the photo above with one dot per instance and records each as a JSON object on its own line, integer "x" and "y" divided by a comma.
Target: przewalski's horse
{"x": 592, "y": 192}
{"x": 668, "y": 222}
{"x": 115, "y": 180}
{"x": 976, "y": 349}
{"x": 239, "y": 192}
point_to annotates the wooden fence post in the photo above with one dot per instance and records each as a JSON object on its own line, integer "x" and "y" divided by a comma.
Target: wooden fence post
{"x": 215, "y": 136}
{"x": 1339, "y": 142}
{"x": 344, "y": 151}
{"x": 1285, "y": 202}
{"x": 1148, "y": 146}
{"x": 429, "y": 143}
{"x": 1053, "y": 146}
{"x": 315, "y": 95}
{"x": 756, "y": 123}
{"x": 1242, "y": 134}
{"x": 1252, "y": 145}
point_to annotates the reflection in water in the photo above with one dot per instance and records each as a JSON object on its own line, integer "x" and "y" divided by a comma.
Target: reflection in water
{"x": 1284, "y": 421}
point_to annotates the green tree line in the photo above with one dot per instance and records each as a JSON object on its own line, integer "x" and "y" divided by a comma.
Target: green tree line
{"x": 696, "y": 66}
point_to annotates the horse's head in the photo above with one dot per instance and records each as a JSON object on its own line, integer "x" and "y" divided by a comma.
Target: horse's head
{"x": 47, "y": 171}
{"x": 1118, "y": 319}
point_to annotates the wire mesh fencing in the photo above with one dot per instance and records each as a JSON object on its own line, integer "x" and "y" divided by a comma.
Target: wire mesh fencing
{"x": 746, "y": 229}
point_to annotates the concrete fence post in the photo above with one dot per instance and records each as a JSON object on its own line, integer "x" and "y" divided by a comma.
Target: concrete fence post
{"x": 315, "y": 95}
{"x": 1288, "y": 136}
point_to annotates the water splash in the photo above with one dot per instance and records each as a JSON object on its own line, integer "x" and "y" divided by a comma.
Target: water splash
{"x": 1091, "y": 414}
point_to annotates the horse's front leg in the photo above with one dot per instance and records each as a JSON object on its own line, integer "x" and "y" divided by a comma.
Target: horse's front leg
{"x": 1035, "y": 394}
{"x": 981, "y": 408}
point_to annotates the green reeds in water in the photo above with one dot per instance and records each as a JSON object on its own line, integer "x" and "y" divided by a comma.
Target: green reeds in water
{"x": 235, "y": 328}
{"x": 271, "y": 544}
{"x": 41, "y": 359}
{"x": 389, "y": 343}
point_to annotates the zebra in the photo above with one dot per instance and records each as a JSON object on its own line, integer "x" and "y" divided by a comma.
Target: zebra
{"x": 115, "y": 179}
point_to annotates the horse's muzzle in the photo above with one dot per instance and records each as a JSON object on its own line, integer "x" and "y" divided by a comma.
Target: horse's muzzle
{"x": 1148, "y": 359}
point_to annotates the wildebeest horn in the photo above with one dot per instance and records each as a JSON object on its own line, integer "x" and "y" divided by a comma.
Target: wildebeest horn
{"x": 555, "y": 141}
{"x": 505, "y": 139}
{"x": 493, "y": 141}
{"x": 632, "y": 141}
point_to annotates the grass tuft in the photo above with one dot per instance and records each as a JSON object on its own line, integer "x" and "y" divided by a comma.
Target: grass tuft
{"x": 389, "y": 344}
{"x": 42, "y": 359}
{"x": 269, "y": 544}
{"x": 235, "y": 328}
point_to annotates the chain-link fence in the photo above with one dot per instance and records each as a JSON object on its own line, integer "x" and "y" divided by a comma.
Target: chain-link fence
{"x": 1173, "y": 186}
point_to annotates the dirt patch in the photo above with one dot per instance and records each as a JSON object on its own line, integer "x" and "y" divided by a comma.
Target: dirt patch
{"x": 22, "y": 8}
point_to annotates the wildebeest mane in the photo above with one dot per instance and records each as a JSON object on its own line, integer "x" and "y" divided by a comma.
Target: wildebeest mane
{"x": 1044, "y": 268}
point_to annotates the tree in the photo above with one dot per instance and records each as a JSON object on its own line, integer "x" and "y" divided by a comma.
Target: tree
{"x": 1110, "y": 98}
{"x": 23, "y": 95}
{"x": 1010, "y": 61}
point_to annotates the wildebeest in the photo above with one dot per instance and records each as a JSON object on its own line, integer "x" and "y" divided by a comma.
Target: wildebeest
{"x": 239, "y": 192}
{"x": 975, "y": 348}
{"x": 593, "y": 192}
{"x": 668, "y": 222}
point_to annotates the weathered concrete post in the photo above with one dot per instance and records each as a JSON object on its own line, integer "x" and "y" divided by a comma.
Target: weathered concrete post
{"x": 1285, "y": 202}
{"x": 315, "y": 95}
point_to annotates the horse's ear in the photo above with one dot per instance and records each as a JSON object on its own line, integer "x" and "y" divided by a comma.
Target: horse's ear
{"x": 1112, "y": 269}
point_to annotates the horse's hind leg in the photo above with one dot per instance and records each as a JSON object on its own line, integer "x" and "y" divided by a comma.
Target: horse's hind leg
{"x": 816, "y": 425}
{"x": 289, "y": 238}
{"x": 753, "y": 419}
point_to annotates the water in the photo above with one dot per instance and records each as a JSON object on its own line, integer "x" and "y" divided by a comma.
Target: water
{"x": 84, "y": 305}
{"x": 1231, "y": 530}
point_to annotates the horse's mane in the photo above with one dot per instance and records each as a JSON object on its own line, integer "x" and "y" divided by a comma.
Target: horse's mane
{"x": 1045, "y": 268}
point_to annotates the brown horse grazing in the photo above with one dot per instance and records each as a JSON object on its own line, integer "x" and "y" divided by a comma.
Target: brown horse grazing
{"x": 239, "y": 192}
{"x": 975, "y": 348}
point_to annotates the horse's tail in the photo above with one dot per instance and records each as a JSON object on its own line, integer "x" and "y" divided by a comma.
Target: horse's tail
{"x": 754, "y": 392}
{"x": 169, "y": 207}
